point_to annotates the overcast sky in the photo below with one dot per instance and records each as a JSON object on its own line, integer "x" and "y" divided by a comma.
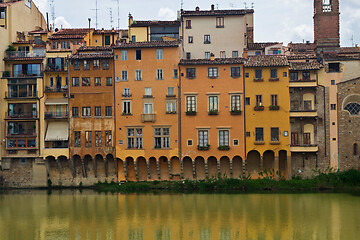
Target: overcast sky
{"x": 275, "y": 20}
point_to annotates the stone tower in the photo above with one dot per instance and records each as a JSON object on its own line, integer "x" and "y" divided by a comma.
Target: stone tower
{"x": 326, "y": 25}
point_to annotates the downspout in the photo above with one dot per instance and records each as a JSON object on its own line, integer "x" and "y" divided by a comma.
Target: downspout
{"x": 39, "y": 99}
{"x": 179, "y": 115}
{"x": 68, "y": 97}
{"x": 245, "y": 154}
{"x": 115, "y": 140}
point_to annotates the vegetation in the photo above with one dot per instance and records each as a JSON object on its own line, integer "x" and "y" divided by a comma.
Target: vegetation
{"x": 269, "y": 181}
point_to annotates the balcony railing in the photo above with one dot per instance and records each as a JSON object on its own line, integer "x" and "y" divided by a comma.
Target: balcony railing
{"x": 24, "y": 132}
{"x": 23, "y": 54}
{"x": 29, "y": 94}
{"x": 21, "y": 143}
{"x": 21, "y": 74}
{"x": 56, "y": 89}
{"x": 56, "y": 68}
{"x": 148, "y": 117}
{"x": 25, "y": 115}
{"x": 59, "y": 115}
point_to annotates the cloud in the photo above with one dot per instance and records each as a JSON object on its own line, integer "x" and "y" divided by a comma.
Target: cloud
{"x": 167, "y": 14}
{"x": 60, "y": 22}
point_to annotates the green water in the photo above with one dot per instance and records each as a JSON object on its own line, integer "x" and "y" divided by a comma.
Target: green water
{"x": 88, "y": 215}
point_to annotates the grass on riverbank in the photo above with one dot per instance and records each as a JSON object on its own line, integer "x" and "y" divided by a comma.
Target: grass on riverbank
{"x": 333, "y": 181}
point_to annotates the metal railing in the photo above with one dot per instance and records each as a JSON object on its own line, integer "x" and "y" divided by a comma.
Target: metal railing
{"x": 56, "y": 115}
{"x": 23, "y": 54}
{"x": 27, "y": 94}
{"x": 56, "y": 68}
{"x": 56, "y": 89}
{"x": 25, "y": 115}
{"x": 21, "y": 74}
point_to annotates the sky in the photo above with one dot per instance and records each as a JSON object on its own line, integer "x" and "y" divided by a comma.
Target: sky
{"x": 275, "y": 20}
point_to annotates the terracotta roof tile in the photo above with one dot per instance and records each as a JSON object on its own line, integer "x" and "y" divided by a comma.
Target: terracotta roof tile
{"x": 302, "y": 47}
{"x": 216, "y": 61}
{"x": 154, "y": 23}
{"x": 299, "y": 66}
{"x": 96, "y": 48}
{"x": 339, "y": 57}
{"x": 70, "y": 33}
{"x": 149, "y": 44}
{"x": 91, "y": 56}
{"x": 217, "y": 12}
{"x": 23, "y": 42}
{"x": 266, "y": 61}
{"x": 349, "y": 50}
{"x": 260, "y": 46}
{"x": 38, "y": 32}
{"x": 106, "y": 31}
{"x": 301, "y": 56}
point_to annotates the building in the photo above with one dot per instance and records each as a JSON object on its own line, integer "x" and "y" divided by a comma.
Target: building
{"x": 267, "y": 48}
{"x": 267, "y": 120}
{"x": 224, "y": 33}
{"x": 107, "y": 38}
{"x": 212, "y": 119}
{"x": 147, "y": 115}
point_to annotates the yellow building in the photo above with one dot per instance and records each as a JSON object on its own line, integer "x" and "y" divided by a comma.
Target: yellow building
{"x": 146, "y": 91}
{"x": 107, "y": 38}
{"x": 267, "y": 120}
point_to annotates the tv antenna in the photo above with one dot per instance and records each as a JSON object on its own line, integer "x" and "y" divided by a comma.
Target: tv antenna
{"x": 118, "y": 13}
{"x": 252, "y": 5}
{"x": 96, "y": 9}
{"x": 53, "y": 17}
{"x": 352, "y": 40}
{"x": 217, "y": 6}
{"x": 245, "y": 5}
{"x": 232, "y": 5}
{"x": 182, "y": 4}
{"x": 111, "y": 18}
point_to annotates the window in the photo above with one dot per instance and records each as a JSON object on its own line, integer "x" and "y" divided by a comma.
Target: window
{"x": 159, "y": 54}
{"x": 108, "y": 111}
{"x": 124, "y": 75}
{"x": 273, "y": 73}
{"x": 235, "y": 72}
{"x": 258, "y": 100}
{"x": 213, "y": 72}
{"x": 105, "y": 64}
{"x": 171, "y": 91}
{"x": 247, "y": 101}
{"x": 161, "y": 137}
{"x": 258, "y": 74}
{"x": 203, "y": 138}
{"x": 206, "y": 39}
{"x": 306, "y": 76}
{"x": 148, "y": 108}
{"x": 190, "y": 39}
{"x": 235, "y": 103}
{"x": 96, "y": 64}
{"x": 188, "y": 55}
{"x": 213, "y": 103}
{"x": 275, "y": 52}
{"x": 75, "y": 111}
{"x": 77, "y": 139}
{"x": 334, "y": 67}
{"x": 75, "y": 81}
{"x": 86, "y": 112}
{"x": 188, "y": 24}
{"x": 116, "y": 57}
{"x": 307, "y": 139}
{"x": 274, "y": 100}
{"x": 138, "y": 54}
{"x": 135, "y": 138}
{"x": 257, "y": 53}
{"x": 355, "y": 149}
{"x": 88, "y": 139}
{"x": 97, "y": 111}
{"x": 98, "y": 139}
{"x": 108, "y": 139}
{"x": 189, "y": 142}
{"x": 138, "y": 75}
{"x": 133, "y": 38}
{"x": 148, "y": 91}
{"x": 86, "y": 65}
{"x": 107, "y": 40}
{"x": 108, "y": 81}
{"x": 307, "y": 105}
{"x": 236, "y": 142}
{"x": 332, "y": 82}
{"x": 124, "y": 55}
{"x": 353, "y": 108}
{"x": 220, "y": 22}
{"x": 159, "y": 74}
{"x": 333, "y": 106}
{"x": 235, "y": 54}
{"x": 127, "y": 92}
{"x": 224, "y": 138}
{"x": 86, "y": 82}
{"x": 2, "y": 14}
{"x": 207, "y": 55}
{"x": 97, "y": 81}
{"x": 176, "y": 73}
{"x": 222, "y": 54}
{"x": 171, "y": 106}
{"x": 275, "y": 134}
{"x": 294, "y": 76}
{"x": 126, "y": 107}
{"x": 259, "y": 134}
{"x": 66, "y": 81}
{"x": 190, "y": 73}
{"x": 190, "y": 104}
{"x": 294, "y": 138}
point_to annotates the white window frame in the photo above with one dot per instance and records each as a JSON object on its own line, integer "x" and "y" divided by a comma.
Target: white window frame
{"x": 159, "y": 74}
{"x": 164, "y": 138}
{"x": 191, "y": 108}
{"x": 222, "y": 142}
{"x": 171, "y": 106}
{"x": 126, "y": 107}
{"x": 213, "y": 103}
{"x": 159, "y": 54}
{"x": 206, "y": 137}
{"x": 124, "y": 75}
{"x": 138, "y": 75}
{"x": 148, "y": 108}
{"x": 124, "y": 55}
{"x": 148, "y": 91}
{"x": 237, "y": 105}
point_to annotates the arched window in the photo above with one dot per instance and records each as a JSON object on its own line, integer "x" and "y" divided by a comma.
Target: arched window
{"x": 353, "y": 108}
{"x": 355, "y": 149}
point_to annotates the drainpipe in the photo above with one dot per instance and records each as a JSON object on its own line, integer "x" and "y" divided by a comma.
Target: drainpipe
{"x": 179, "y": 117}
{"x": 244, "y": 106}
{"x": 69, "y": 83}
{"x": 89, "y": 19}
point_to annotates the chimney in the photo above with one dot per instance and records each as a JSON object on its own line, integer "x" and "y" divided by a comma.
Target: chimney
{"x": 307, "y": 42}
{"x": 212, "y": 7}
{"x": 212, "y": 57}
{"x": 197, "y": 9}
{"x": 245, "y": 53}
{"x": 130, "y": 19}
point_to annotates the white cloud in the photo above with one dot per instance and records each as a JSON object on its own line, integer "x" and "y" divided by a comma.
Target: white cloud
{"x": 60, "y": 22}
{"x": 167, "y": 14}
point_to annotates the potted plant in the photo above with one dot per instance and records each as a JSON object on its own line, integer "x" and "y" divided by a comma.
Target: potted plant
{"x": 274, "y": 108}
{"x": 213, "y": 112}
{"x": 259, "y": 108}
{"x": 235, "y": 112}
{"x": 6, "y": 74}
{"x": 191, "y": 113}
{"x": 224, "y": 148}
{"x": 203, "y": 148}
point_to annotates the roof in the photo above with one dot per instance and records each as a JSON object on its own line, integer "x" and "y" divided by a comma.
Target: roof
{"x": 96, "y": 48}
{"x": 299, "y": 66}
{"x": 345, "y": 50}
{"x": 260, "y": 46}
{"x": 217, "y": 12}
{"x": 302, "y": 47}
{"x": 301, "y": 57}
{"x": 38, "y": 32}
{"x": 148, "y": 44}
{"x": 6, "y": 4}
{"x": 337, "y": 57}
{"x": 154, "y": 23}
{"x": 106, "y": 31}
{"x": 78, "y": 56}
{"x": 266, "y": 61}
{"x": 216, "y": 61}
{"x": 23, "y": 42}
{"x": 70, "y": 33}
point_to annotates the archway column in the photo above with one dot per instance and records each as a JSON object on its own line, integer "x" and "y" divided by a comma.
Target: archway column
{"x": 136, "y": 166}
{"x": 83, "y": 167}
{"x": 182, "y": 168}
{"x": 262, "y": 162}
{"x": 59, "y": 165}
{"x": 148, "y": 169}
{"x": 193, "y": 168}
{"x": 288, "y": 161}
{"x": 207, "y": 168}
{"x": 158, "y": 168}
{"x": 231, "y": 168}
{"x": 276, "y": 165}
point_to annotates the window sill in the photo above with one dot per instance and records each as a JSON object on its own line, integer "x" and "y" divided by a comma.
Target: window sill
{"x": 258, "y": 80}
{"x": 212, "y": 113}
{"x": 171, "y": 96}
{"x": 126, "y": 114}
{"x": 191, "y": 113}
{"x": 219, "y": 26}
{"x": 259, "y": 108}
{"x": 235, "y": 112}
{"x": 170, "y": 112}
{"x": 125, "y": 80}
{"x": 213, "y": 77}
{"x": 273, "y": 79}
{"x": 134, "y": 148}
{"x": 236, "y": 76}
{"x": 86, "y": 116}
{"x": 207, "y": 42}
{"x": 162, "y": 148}
{"x": 275, "y": 143}
{"x": 224, "y": 148}
{"x": 259, "y": 143}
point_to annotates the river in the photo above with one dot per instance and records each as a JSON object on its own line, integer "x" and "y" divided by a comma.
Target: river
{"x": 90, "y": 215}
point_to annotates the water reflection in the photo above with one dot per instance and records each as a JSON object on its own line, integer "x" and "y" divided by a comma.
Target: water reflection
{"x": 72, "y": 215}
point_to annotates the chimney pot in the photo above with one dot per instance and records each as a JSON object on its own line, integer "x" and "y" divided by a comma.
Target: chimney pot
{"x": 212, "y": 57}
{"x": 197, "y": 9}
{"x": 212, "y": 7}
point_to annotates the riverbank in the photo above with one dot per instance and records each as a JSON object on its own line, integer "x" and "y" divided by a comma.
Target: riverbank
{"x": 348, "y": 181}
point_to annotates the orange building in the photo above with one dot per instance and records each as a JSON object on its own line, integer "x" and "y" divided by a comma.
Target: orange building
{"x": 146, "y": 92}
{"x": 212, "y": 119}
{"x": 91, "y": 107}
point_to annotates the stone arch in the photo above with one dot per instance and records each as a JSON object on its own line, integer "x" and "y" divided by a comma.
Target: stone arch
{"x": 89, "y": 166}
{"x": 120, "y": 170}
{"x": 164, "y": 169}
{"x": 188, "y": 168}
{"x": 111, "y": 169}
{"x": 308, "y": 137}
{"x": 175, "y": 168}
{"x": 78, "y": 166}
{"x": 269, "y": 160}
{"x": 225, "y": 167}
{"x": 53, "y": 170}
{"x": 283, "y": 166}
{"x": 355, "y": 149}
{"x": 351, "y": 104}
{"x": 153, "y": 169}
{"x": 309, "y": 97}
{"x": 212, "y": 167}
{"x": 130, "y": 167}
{"x": 66, "y": 168}
{"x": 142, "y": 169}
{"x": 200, "y": 168}
{"x": 237, "y": 169}
{"x": 253, "y": 164}
{"x": 99, "y": 166}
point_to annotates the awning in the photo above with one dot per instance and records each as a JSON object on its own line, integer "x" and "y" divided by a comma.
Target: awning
{"x": 56, "y": 101}
{"x": 57, "y": 131}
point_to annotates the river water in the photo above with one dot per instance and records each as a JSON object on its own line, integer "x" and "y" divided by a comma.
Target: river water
{"x": 89, "y": 215}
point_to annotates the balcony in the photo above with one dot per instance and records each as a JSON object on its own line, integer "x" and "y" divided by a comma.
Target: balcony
{"x": 300, "y": 113}
{"x": 9, "y": 55}
{"x": 22, "y": 133}
{"x": 302, "y": 83}
{"x": 26, "y": 143}
{"x": 21, "y": 95}
{"x": 259, "y": 108}
{"x": 58, "y": 115}
{"x": 24, "y": 115}
{"x": 56, "y": 68}
{"x": 63, "y": 89}
{"x": 304, "y": 148}
{"x": 21, "y": 74}
{"x": 148, "y": 117}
